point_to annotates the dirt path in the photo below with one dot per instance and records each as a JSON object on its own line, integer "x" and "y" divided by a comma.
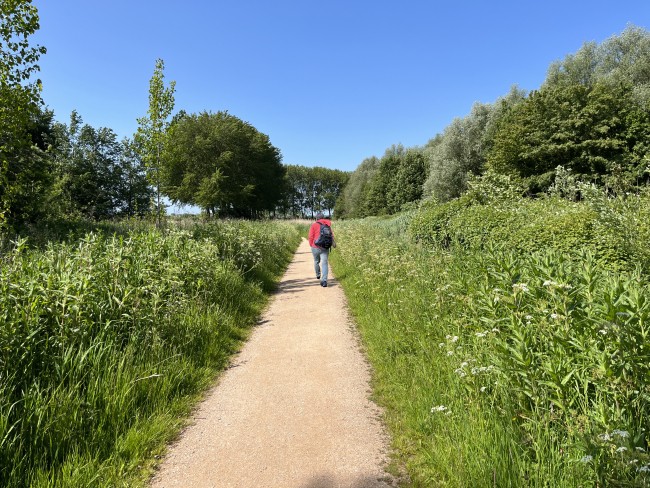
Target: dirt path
{"x": 293, "y": 411}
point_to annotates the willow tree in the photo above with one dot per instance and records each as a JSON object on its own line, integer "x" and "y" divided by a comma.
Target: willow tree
{"x": 152, "y": 130}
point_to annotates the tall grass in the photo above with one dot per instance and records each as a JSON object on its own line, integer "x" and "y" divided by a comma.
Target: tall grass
{"x": 502, "y": 368}
{"x": 104, "y": 342}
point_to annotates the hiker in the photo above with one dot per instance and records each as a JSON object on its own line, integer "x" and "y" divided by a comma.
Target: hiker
{"x": 321, "y": 240}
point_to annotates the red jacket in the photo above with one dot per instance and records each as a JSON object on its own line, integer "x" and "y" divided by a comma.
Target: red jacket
{"x": 314, "y": 230}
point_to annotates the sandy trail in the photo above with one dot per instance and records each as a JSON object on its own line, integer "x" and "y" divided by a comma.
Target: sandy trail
{"x": 293, "y": 410}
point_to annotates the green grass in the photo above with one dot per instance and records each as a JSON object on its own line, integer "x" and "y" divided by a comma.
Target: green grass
{"x": 106, "y": 342}
{"x": 498, "y": 368}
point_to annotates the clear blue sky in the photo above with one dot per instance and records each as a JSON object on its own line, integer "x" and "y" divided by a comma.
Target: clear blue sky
{"x": 332, "y": 82}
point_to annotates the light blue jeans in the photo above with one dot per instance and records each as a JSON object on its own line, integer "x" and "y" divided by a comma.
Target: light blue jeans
{"x": 320, "y": 261}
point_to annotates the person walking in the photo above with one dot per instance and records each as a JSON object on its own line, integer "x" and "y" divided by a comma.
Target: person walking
{"x": 321, "y": 240}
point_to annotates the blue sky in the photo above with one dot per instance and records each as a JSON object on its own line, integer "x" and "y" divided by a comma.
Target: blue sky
{"x": 331, "y": 83}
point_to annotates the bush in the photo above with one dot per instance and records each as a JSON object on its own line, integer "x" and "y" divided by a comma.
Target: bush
{"x": 526, "y": 226}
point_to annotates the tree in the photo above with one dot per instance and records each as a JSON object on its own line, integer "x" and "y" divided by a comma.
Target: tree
{"x": 376, "y": 199}
{"x": 296, "y": 189}
{"x": 407, "y": 184}
{"x": 98, "y": 177}
{"x": 592, "y": 130}
{"x": 134, "y": 193}
{"x": 353, "y": 200}
{"x": 459, "y": 151}
{"x": 20, "y": 99}
{"x": 222, "y": 164}
{"x": 152, "y": 130}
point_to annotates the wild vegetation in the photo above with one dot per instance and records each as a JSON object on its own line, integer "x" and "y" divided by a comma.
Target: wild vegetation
{"x": 508, "y": 333}
{"x": 509, "y": 336}
{"x": 105, "y": 340}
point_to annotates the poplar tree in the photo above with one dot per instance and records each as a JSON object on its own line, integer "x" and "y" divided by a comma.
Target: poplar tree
{"x": 152, "y": 130}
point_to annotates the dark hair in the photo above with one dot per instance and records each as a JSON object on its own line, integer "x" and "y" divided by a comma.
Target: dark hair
{"x": 319, "y": 216}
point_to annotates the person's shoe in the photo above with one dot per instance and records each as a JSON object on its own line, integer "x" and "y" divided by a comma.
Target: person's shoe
{"x": 323, "y": 284}
{"x": 318, "y": 277}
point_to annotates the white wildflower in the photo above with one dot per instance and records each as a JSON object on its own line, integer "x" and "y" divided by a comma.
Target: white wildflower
{"x": 480, "y": 334}
{"x": 621, "y": 433}
{"x": 621, "y": 449}
{"x": 450, "y": 353}
{"x": 586, "y": 459}
{"x": 554, "y": 316}
{"x": 464, "y": 364}
{"x": 520, "y": 287}
{"x": 442, "y": 344}
{"x": 644, "y": 469}
{"x": 454, "y": 339}
{"x": 605, "y": 437}
{"x": 483, "y": 388}
{"x": 439, "y": 408}
{"x": 460, "y": 372}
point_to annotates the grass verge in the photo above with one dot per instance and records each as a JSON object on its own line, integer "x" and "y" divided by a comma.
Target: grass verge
{"x": 107, "y": 342}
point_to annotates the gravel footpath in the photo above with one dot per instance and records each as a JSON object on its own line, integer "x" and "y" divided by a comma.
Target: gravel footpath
{"x": 293, "y": 409}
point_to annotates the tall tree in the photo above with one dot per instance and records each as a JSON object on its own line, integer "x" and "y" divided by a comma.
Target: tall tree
{"x": 595, "y": 130}
{"x": 20, "y": 97}
{"x": 352, "y": 203}
{"x": 152, "y": 130}
{"x": 222, "y": 164}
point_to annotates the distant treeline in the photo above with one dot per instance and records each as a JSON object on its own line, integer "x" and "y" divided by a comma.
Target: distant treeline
{"x": 310, "y": 190}
{"x": 591, "y": 116}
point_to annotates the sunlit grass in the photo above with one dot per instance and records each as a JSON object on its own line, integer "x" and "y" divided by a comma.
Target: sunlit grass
{"x": 105, "y": 342}
{"x": 502, "y": 369}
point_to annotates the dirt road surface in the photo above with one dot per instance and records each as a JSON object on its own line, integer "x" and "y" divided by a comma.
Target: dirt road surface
{"x": 293, "y": 410}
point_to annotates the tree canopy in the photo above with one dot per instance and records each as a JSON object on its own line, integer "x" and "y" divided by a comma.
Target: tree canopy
{"x": 222, "y": 164}
{"x": 312, "y": 189}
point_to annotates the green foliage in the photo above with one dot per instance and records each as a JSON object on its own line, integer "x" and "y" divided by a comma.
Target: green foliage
{"x": 353, "y": 198}
{"x": 623, "y": 58}
{"x": 609, "y": 228}
{"x": 585, "y": 128}
{"x": 152, "y": 131}
{"x": 503, "y": 368}
{"x": 311, "y": 189}
{"x": 21, "y": 99}
{"x": 223, "y": 164}
{"x": 591, "y": 116}
{"x": 98, "y": 177}
{"x": 103, "y": 340}
{"x": 384, "y": 186}
{"x": 458, "y": 152}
